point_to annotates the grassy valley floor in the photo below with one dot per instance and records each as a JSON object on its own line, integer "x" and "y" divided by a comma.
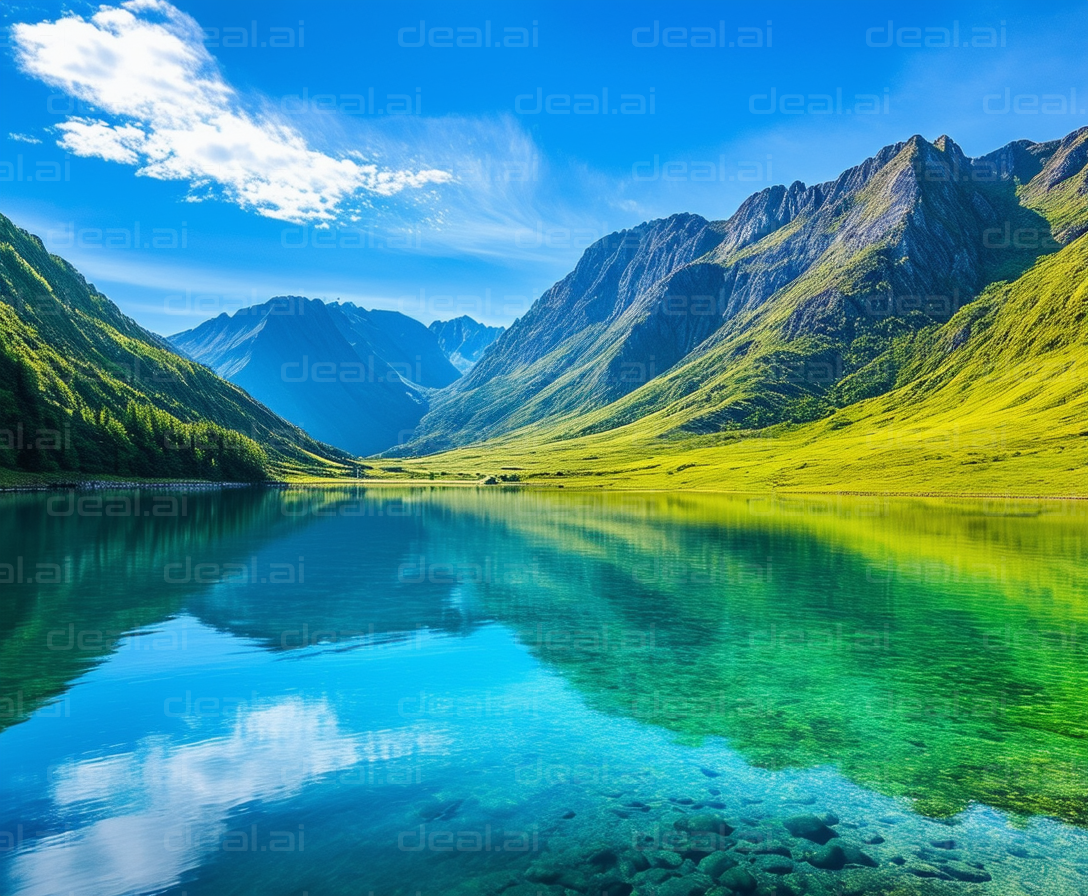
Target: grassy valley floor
{"x": 921, "y": 460}
{"x": 939, "y": 457}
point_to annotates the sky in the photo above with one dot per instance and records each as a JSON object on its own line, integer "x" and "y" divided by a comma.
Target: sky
{"x": 441, "y": 159}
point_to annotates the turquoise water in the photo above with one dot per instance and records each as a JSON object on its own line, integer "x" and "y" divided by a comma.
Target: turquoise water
{"x": 433, "y": 691}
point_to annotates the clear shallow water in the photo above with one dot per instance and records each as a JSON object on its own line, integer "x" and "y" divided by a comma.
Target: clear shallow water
{"x": 370, "y": 690}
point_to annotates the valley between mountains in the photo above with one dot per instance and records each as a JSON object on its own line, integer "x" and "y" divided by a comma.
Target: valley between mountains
{"x": 919, "y": 324}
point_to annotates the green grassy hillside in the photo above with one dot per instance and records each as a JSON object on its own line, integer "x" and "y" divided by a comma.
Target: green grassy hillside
{"x": 995, "y": 401}
{"x": 934, "y": 339}
{"x": 85, "y": 390}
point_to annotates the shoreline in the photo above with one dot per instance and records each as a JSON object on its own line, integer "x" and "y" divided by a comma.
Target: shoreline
{"x": 468, "y": 483}
{"x": 205, "y": 485}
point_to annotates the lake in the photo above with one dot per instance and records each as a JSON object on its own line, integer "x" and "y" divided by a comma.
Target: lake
{"x": 442, "y": 690}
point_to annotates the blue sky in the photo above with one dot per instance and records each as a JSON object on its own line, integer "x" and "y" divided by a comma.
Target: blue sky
{"x": 441, "y": 159}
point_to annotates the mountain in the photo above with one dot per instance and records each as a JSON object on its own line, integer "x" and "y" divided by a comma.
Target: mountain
{"x": 992, "y": 402}
{"x": 918, "y": 320}
{"x": 86, "y": 390}
{"x": 463, "y": 340}
{"x": 408, "y": 346}
{"x": 354, "y": 378}
{"x": 807, "y": 300}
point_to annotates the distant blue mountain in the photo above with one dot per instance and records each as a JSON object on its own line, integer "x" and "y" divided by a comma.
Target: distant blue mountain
{"x": 463, "y": 340}
{"x": 403, "y": 342}
{"x": 354, "y": 378}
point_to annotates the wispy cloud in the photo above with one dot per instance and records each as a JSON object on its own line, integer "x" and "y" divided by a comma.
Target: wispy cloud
{"x": 507, "y": 202}
{"x": 23, "y": 138}
{"x": 154, "y": 98}
{"x": 166, "y": 108}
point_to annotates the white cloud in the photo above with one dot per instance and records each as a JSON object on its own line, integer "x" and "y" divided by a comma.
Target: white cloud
{"x": 152, "y": 97}
{"x": 139, "y": 820}
{"x": 23, "y": 138}
{"x": 143, "y": 64}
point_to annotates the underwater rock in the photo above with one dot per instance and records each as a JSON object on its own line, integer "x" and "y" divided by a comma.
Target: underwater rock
{"x": 938, "y": 855}
{"x": 440, "y": 811}
{"x": 810, "y": 828}
{"x": 717, "y": 863}
{"x": 689, "y": 885}
{"x": 773, "y": 864}
{"x": 943, "y": 844}
{"x": 922, "y": 869}
{"x": 830, "y": 858}
{"x": 738, "y": 880}
{"x": 693, "y": 856}
{"x": 631, "y": 862}
{"x": 653, "y": 877}
{"x": 601, "y": 858}
{"x": 664, "y": 858}
{"x": 543, "y": 872}
{"x": 574, "y": 879}
{"x": 534, "y": 889}
{"x": 965, "y": 872}
{"x": 610, "y": 884}
{"x": 855, "y": 856}
{"x": 771, "y": 849}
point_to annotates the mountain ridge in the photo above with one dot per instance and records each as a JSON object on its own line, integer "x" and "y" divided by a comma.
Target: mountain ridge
{"x": 809, "y": 306}
{"x": 354, "y": 378}
{"x": 800, "y": 283}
